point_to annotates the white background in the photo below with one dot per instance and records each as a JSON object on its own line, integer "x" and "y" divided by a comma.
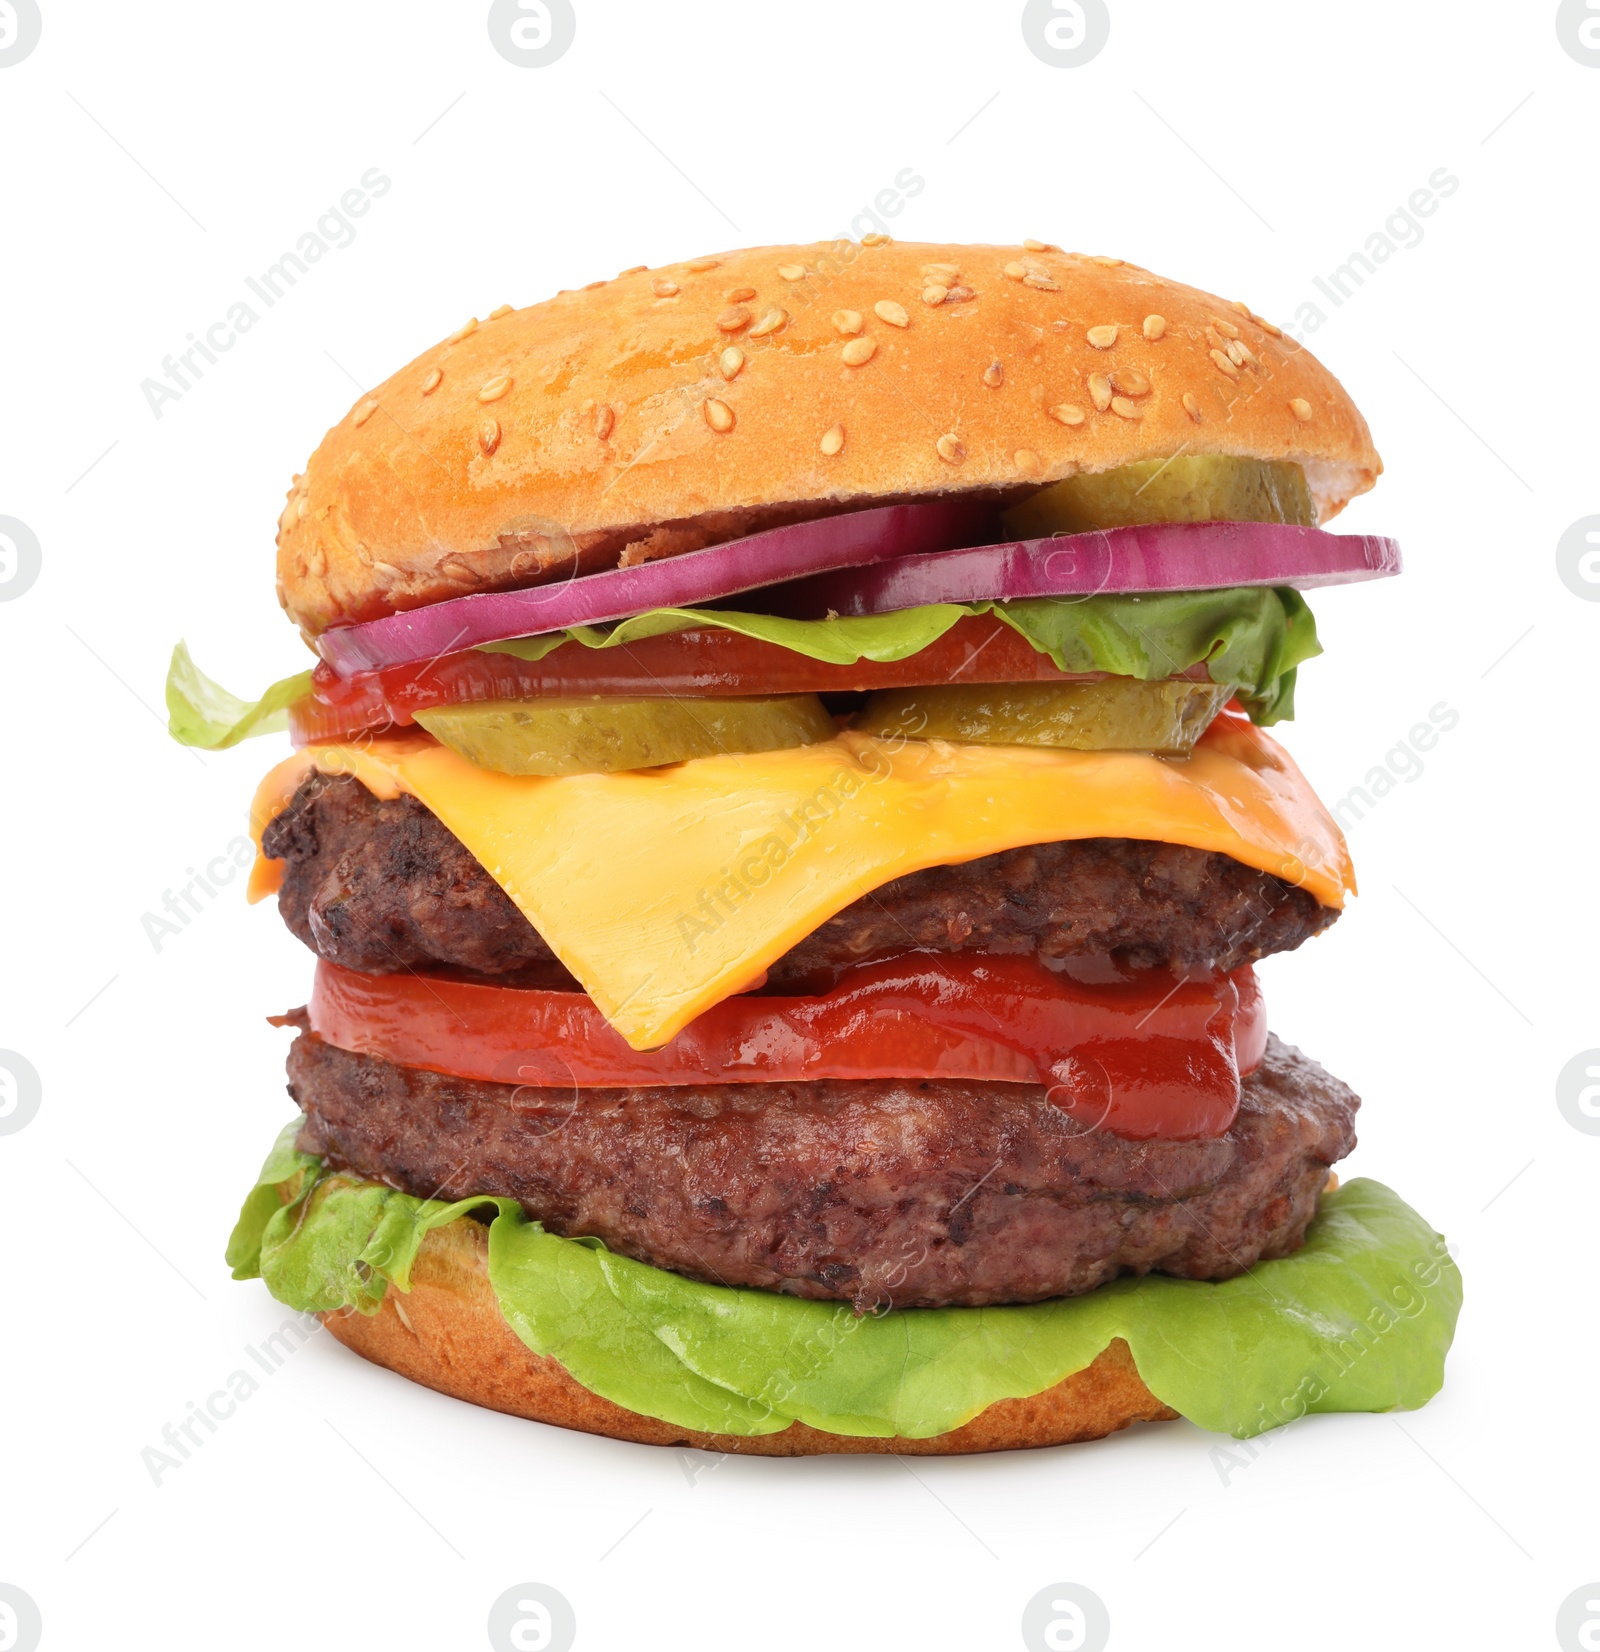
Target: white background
{"x": 153, "y": 156}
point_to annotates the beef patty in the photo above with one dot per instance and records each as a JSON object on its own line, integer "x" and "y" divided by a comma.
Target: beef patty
{"x": 384, "y": 886}
{"x": 904, "y": 1193}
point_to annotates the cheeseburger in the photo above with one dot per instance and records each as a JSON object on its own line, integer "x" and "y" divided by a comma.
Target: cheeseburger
{"x": 784, "y": 819}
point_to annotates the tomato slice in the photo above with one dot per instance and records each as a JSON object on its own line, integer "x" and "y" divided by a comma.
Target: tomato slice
{"x": 976, "y": 649}
{"x": 1152, "y": 1055}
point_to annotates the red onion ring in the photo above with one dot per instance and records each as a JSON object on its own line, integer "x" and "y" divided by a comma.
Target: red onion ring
{"x": 848, "y": 540}
{"x": 1188, "y": 556}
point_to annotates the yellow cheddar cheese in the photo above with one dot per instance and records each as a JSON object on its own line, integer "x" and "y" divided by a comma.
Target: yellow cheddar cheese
{"x": 667, "y": 890}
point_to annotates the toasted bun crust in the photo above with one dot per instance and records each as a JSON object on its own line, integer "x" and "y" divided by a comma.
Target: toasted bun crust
{"x": 447, "y": 1333}
{"x": 607, "y": 424}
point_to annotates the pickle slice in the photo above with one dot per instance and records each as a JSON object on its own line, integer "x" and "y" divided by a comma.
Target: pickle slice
{"x": 1115, "y": 714}
{"x": 603, "y": 736}
{"x": 1193, "y": 487}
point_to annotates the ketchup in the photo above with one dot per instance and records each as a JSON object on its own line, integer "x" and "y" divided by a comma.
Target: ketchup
{"x": 1145, "y": 1054}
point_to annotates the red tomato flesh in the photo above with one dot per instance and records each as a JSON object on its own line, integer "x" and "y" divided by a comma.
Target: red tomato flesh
{"x": 977, "y": 649}
{"x": 1151, "y": 1055}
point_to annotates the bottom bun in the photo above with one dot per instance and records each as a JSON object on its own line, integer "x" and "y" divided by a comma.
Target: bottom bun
{"x": 447, "y": 1333}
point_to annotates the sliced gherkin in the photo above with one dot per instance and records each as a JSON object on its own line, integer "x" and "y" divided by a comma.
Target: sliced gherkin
{"x": 602, "y": 736}
{"x": 1192, "y": 487}
{"x": 1115, "y": 714}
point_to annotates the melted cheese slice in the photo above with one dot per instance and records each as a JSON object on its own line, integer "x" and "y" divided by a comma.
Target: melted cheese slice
{"x": 665, "y": 891}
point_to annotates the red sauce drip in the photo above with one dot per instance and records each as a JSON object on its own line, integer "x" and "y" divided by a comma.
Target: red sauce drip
{"x": 1145, "y": 1054}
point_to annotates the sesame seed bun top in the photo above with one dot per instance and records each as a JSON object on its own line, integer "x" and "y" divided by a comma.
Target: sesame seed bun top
{"x": 673, "y": 408}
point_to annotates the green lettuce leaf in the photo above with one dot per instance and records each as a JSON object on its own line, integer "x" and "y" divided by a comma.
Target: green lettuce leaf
{"x": 203, "y": 713}
{"x": 1252, "y": 636}
{"x": 1360, "y": 1319}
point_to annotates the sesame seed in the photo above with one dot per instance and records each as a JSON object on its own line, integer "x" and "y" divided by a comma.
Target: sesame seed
{"x": 1100, "y": 391}
{"x": 730, "y": 361}
{"x": 632, "y": 269}
{"x": 302, "y": 508}
{"x": 1028, "y": 462}
{"x": 1236, "y": 352}
{"x": 489, "y": 436}
{"x": 1267, "y": 326}
{"x": 1246, "y": 356}
{"x": 1301, "y": 409}
{"x": 589, "y": 286}
{"x": 847, "y": 321}
{"x": 770, "y": 322}
{"x": 364, "y": 412}
{"x": 874, "y": 239}
{"x": 858, "y": 351}
{"x": 1014, "y": 272}
{"x": 792, "y": 272}
{"x": 462, "y": 331}
{"x": 718, "y": 415}
{"x": 432, "y": 382}
{"x": 663, "y": 288}
{"x": 895, "y": 314}
{"x": 1067, "y": 413}
{"x": 1037, "y": 246}
{"x": 699, "y": 266}
{"x": 1125, "y": 408}
{"x": 958, "y": 295}
{"x": 1155, "y": 326}
{"x": 1226, "y": 328}
{"x": 1243, "y": 308}
{"x": 605, "y": 417}
{"x": 1224, "y": 364}
{"x": 935, "y": 295}
{"x": 945, "y": 273}
{"x": 498, "y": 311}
{"x": 1191, "y": 405}
{"x": 739, "y": 295}
{"x": 1040, "y": 283}
{"x": 1107, "y": 263}
{"x": 1131, "y": 381}
{"x": 951, "y": 449}
{"x": 832, "y": 440}
{"x": 1102, "y": 338}
{"x": 495, "y": 388}
{"x": 730, "y": 321}
{"x": 994, "y": 375}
